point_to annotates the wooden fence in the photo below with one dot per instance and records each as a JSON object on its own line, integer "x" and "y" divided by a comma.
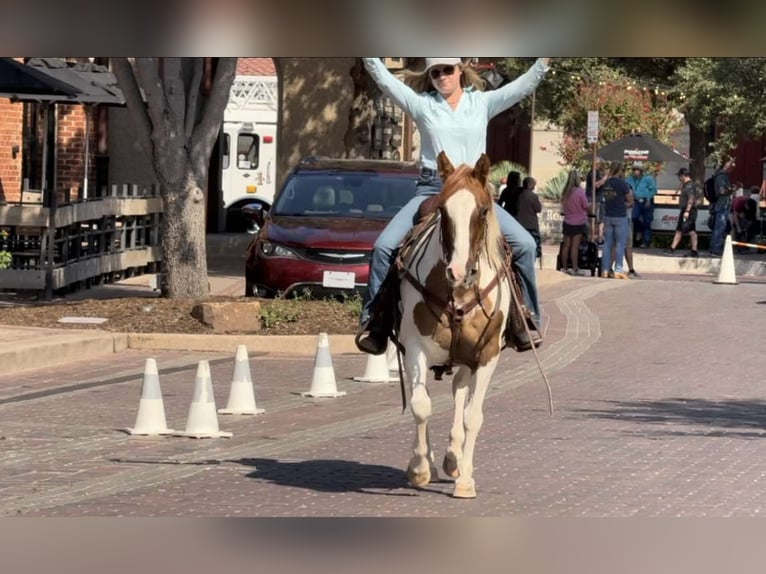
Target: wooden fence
{"x": 67, "y": 247}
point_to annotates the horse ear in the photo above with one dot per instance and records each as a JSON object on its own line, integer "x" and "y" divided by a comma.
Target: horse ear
{"x": 481, "y": 169}
{"x": 445, "y": 165}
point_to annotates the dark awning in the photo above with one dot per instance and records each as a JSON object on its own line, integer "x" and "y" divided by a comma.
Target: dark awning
{"x": 58, "y": 81}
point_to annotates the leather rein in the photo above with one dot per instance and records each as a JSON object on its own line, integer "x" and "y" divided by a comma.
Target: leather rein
{"x": 455, "y": 313}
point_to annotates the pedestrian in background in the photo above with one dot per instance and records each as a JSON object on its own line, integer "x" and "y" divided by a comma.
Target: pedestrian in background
{"x": 644, "y": 190}
{"x": 688, "y": 203}
{"x": 528, "y": 207}
{"x": 575, "y": 207}
{"x": 617, "y": 198}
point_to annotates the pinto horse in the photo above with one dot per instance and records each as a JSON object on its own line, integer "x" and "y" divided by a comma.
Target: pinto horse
{"x": 456, "y": 294}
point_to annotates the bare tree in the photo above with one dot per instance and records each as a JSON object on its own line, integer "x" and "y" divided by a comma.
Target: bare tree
{"x": 179, "y": 118}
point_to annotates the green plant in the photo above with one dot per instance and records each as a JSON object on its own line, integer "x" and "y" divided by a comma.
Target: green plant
{"x": 352, "y": 303}
{"x": 500, "y": 170}
{"x": 5, "y": 256}
{"x": 554, "y": 188}
{"x": 280, "y": 311}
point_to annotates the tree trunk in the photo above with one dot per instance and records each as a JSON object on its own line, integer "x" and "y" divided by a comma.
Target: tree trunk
{"x": 697, "y": 152}
{"x": 184, "y": 255}
{"x": 358, "y": 138}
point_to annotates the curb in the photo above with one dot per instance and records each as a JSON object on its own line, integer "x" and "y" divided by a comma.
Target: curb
{"x": 292, "y": 345}
{"x": 56, "y": 349}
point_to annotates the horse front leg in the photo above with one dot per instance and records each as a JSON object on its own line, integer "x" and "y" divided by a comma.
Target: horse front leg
{"x": 419, "y": 467}
{"x": 457, "y": 432}
{"x": 465, "y": 487}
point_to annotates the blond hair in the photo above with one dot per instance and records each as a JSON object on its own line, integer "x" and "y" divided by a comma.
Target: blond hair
{"x": 421, "y": 82}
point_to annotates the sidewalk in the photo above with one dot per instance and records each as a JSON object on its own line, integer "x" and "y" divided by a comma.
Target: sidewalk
{"x": 658, "y": 412}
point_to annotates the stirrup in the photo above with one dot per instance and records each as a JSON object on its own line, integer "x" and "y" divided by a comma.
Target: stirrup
{"x": 371, "y": 341}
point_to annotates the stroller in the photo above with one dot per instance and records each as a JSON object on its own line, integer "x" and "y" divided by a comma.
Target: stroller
{"x": 589, "y": 256}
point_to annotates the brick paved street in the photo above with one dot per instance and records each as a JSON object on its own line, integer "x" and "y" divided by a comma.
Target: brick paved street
{"x": 660, "y": 411}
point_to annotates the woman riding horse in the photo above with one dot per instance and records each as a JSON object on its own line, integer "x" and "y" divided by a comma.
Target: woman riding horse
{"x": 452, "y": 114}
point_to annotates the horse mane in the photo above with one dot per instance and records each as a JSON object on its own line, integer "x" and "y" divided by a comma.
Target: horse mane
{"x": 463, "y": 178}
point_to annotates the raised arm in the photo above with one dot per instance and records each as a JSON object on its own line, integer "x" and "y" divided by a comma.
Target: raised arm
{"x": 399, "y": 92}
{"x": 510, "y": 94}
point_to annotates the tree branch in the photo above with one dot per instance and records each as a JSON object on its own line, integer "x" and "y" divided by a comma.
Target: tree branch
{"x": 174, "y": 95}
{"x": 126, "y": 79}
{"x": 192, "y": 96}
{"x": 148, "y": 78}
{"x": 206, "y": 132}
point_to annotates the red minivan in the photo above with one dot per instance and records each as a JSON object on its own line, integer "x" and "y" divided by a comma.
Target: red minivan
{"x": 318, "y": 236}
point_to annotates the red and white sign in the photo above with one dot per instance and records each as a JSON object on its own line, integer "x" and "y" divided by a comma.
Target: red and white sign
{"x": 666, "y": 219}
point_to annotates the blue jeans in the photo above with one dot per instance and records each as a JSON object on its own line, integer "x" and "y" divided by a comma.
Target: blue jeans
{"x": 615, "y": 231}
{"x": 720, "y": 230}
{"x": 643, "y": 213}
{"x": 384, "y": 252}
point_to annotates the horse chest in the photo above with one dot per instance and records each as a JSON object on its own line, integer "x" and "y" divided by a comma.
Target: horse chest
{"x": 478, "y": 332}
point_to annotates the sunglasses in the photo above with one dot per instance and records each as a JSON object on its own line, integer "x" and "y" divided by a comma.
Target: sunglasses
{"x": 441, "y": 71}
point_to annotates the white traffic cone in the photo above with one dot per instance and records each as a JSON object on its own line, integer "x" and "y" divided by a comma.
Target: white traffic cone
{"x": 202, "y": 421}
{"x": 150, "y": 420}
{"x": 376, "y": 370}
{"x": 727, "y": 274}
{"x": 391, "y": 358}
{"x": 323, "y": 383}
{"x": 241, "y": 395}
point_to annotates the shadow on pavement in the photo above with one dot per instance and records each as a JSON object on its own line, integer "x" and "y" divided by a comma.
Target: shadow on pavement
{"x": 329, "y": 475}
{"x": 725, "y": 414}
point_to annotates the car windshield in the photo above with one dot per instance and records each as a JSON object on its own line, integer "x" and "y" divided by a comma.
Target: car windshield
{"x": 369, "y": 195}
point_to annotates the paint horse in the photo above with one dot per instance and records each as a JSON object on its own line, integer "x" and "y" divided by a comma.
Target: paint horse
{"x": 455, "y": 298}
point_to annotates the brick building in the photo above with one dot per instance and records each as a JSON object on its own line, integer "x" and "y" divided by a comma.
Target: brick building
{"x": 22, "y": 129}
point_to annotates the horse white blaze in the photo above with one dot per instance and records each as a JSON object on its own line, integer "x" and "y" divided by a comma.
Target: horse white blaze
{"x": 459, "y": 208}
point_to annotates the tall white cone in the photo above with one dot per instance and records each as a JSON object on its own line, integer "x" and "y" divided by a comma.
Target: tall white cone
{"x": 202, "y": 421}
{"x": 150, "y": 420}
{"x": 393, "y": 361}
{"x": 241, "y": 394}
{"x": 323, "y": 383}
{"x": 727, "y": 274}
{"x": 376, "y": 370}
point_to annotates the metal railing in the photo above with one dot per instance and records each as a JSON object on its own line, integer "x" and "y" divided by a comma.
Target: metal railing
{"x": 66, "y": 247}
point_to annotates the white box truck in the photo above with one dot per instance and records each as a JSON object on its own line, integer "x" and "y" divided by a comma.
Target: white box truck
{"x": 249, "y": 147}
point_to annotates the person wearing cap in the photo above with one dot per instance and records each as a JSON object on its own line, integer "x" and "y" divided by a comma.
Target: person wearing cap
{"x": 644, "y": 190}
{"x": 451, "y": 111}
{"x": 687, "y": 217}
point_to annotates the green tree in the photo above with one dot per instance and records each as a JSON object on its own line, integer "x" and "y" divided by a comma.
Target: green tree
{"x": 179, "y": 119}
{"x": 576, "y": 85}
{"x": 725, "y": 93}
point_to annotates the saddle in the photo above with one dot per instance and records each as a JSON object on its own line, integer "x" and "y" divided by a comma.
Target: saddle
{"x": 387, "y": 300}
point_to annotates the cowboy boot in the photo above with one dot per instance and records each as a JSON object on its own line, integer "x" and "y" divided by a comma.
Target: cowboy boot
{"x": 519, "y": 322}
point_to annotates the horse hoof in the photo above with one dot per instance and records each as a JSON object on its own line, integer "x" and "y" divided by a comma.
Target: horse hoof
{"x": 464, "y": 490}
{"x": 418, "y": 479}
{"x": 449, "y": 466}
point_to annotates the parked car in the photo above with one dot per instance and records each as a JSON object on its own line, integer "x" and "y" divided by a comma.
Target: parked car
{"x": 319, "y": 233}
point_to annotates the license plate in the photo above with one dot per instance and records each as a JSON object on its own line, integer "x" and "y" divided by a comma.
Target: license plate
{"x": 339, "y": 279}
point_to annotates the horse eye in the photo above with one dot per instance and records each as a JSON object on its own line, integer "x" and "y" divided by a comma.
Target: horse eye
{"x": 483, "y": 212}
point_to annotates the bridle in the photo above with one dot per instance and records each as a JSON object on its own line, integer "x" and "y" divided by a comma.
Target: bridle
{"x": 441, "y": 304}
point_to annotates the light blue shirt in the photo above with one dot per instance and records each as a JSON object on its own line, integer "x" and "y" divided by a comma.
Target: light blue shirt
{"x": 460, "y": 133}
{"x": 643, "y": 187}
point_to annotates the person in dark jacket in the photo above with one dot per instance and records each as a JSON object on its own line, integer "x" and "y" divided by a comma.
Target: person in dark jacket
{"x": 527, "y": 208}
{"x": 510, "y": 195}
